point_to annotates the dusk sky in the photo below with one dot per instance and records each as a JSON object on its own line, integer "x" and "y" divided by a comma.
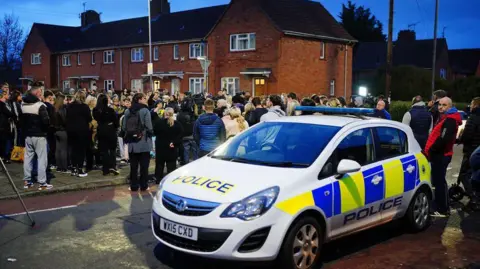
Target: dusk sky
{"x": 460, "y": 17}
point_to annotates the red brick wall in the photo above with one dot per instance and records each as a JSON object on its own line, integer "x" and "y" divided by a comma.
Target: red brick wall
{"x": 302, "y": 71}
{"x": 41, "y": 72}
{"x": 243, "y": 17}
{"x": 132, "y": 70}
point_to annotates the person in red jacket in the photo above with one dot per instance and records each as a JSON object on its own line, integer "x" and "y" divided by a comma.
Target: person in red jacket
{"x": 439, "y": 150}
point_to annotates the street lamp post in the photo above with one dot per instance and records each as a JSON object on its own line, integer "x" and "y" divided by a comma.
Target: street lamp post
{"x": 150, "y": 64}
{"x": 205, "y": 64}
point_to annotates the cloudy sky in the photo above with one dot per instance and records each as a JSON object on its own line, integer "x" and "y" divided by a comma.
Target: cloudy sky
{"x": 458, "y": 19}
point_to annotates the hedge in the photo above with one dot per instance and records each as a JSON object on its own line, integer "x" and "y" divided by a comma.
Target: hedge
{"x": 399, "y": 108}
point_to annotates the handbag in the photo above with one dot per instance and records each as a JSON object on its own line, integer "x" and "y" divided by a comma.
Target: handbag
{"x": 17, "y": 154}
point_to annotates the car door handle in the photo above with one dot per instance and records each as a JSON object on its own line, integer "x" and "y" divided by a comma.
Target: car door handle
{"x": 376, "y": 180}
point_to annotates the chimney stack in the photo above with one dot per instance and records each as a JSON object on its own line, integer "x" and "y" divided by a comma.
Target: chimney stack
{"x": 159, "y": 7}
{"x": 407, "y": 36}
{"x": 90, "y": 17}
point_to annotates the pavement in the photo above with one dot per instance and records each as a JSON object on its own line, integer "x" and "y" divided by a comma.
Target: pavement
{"x": 110, "y": 228}
{"x": 62, "y": 182}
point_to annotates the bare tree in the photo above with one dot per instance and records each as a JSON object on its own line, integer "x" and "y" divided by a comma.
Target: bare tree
{"x": 11, "y": 41}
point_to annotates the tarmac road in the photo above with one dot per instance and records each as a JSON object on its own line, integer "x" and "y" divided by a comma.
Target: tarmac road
{"x": 110, "y": 228}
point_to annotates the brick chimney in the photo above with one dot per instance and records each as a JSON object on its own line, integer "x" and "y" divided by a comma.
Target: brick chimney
{"x": 159, "y": 7}
{"x": 407, "y": 36}
{"x": 90, "y": 17}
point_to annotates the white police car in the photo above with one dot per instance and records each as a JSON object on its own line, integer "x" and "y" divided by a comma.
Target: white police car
{"x": 283, "y": 188}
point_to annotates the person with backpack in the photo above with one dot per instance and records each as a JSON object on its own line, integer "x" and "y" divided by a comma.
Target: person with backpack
{"x": 137, "y": 125}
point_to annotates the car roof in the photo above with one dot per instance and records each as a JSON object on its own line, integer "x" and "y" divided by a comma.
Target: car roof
{"x": 329, "y": 120}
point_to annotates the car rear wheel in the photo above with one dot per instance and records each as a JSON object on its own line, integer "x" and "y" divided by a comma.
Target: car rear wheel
{"x": 301, "y": 247}
{"x": 418, "y": 215}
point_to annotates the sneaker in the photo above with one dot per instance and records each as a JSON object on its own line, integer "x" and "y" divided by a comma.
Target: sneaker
{"x": 147, "y": 189}
{"x": 53, "y": 167}
{"x": 123, "y": 161}
{"x": 81, "y": 173}
{"x": 45, "y": 186}
{"x": 438, "y": 214}
{"x": 27, "y": 184}
{"x": 114, "y": 172}
{"x": 74, "y": 172}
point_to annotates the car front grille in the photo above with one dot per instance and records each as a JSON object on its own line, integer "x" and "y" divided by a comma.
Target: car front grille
{"x": 209, "y": 240}
{"x": 194, "y": 208}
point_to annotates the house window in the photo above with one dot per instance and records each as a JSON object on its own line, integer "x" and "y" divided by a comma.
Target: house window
{"x": 137, "y": 55}
{"x": 66, "y": 84}
{"x": 176, "y": 52}
{"x": 36, "y": 59}
{"x": 197, "y": 50}
{"x": 322, "y": 50}
{"x": 232, "y": 85}
{"x": 259, "y": 81}
{"x": 78, "y": 59}
{"x": 196, "y": 85}
{"x": 443, "y": 73}
{"x": 332, "y": 87}
{"x": 155, "y": 53}
{"x": 93, "y": 58}
{"x": 242, "y": 42}
{"x": 108, "y": 56}
{"x": 137, "y": 84}
{"x": 66, "y": 60}
{"x": 108, "y": 85}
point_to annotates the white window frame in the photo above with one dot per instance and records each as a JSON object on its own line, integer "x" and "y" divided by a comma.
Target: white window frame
{"x": 176, "y": 52}
{"x": 66, "y": 84}
{"x": 137, "y": 55}
{"x": 36, "y": 59}
{"x": 108, "y": 84}
{"x": 231, "y": 83}
{"x": 106, "y": 55}
{"x": 196, "y": 50}
{"x": 235, "y": 40}
{"x": 137, "y": 84}
{"x": 79, "y": 62}
{"x": 322, "y": 50}
{"x": 197, "y": 81}
{"x": 93, "y": 58}
{"x": 443, "y": 73}
{"x": 156, "y": 52}
{"x": 332, "y": 87}
{"x": 66, "y": 60}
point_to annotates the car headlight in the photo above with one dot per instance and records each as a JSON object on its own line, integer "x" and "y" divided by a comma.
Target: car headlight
{"x": 159, "y": 189}
{"x": 253, "y": 206}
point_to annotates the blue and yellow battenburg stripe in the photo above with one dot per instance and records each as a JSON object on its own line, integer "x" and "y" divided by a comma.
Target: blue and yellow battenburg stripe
{"x": 359, "y": 189}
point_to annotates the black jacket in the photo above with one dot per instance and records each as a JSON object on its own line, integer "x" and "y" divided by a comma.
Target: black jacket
{"x": 34, "y": 120}
{"x": 187, "y": 120}
{"x": 61, "y": 119}
{"x": 5, "y": 117}
{"x": 166, "y": 134}
{"x": 255, "y": 115}
{"x": 471, "y": 134}
{"x": 78, "y": 118}
{"x": 107, "y": 127}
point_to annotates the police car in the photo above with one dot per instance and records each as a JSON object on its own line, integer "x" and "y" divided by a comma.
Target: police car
{"x": 283, "y": 188}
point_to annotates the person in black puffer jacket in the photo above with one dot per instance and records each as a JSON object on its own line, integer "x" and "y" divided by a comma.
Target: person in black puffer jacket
{"x": 254, "y": 116}
{"x": 187, "y": 119}
{"x": 470, "y": 139}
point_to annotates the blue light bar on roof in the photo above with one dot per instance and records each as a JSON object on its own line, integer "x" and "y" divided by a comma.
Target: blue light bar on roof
{"x": 336, "y": 110}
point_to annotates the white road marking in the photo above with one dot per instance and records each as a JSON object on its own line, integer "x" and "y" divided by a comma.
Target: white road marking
{"x": 38, "y": 211}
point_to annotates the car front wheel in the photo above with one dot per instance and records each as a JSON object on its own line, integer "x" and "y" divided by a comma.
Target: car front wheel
{"x": 301, "y": 248}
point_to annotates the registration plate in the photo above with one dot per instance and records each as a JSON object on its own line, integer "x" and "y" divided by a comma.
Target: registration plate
{"x": 179, "y": 229}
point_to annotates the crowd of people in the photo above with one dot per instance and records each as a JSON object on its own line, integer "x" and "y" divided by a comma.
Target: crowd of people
{"x": 86, "y": 130}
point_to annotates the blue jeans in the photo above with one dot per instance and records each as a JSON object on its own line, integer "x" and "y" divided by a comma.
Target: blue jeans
{"x": 439, "y": 171}
{"x": 189, "y": 145}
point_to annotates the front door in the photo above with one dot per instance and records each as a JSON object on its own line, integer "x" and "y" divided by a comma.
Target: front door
{"x": 175, "y": 86}
{"x": 93, "y": 85}
{"x": 259, "y": 86}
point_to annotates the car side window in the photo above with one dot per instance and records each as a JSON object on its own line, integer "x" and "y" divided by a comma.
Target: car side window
{"x": 357, "y": 146}
{"x": 391, "y": 143}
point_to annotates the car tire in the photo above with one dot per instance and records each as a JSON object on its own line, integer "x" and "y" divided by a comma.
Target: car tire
{"x": 418, "y": 216}
{"x": 302, "y": 244}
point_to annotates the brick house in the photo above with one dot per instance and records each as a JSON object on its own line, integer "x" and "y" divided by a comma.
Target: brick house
{"x": 261, "y": 46}
{"x": 465, "y": 62}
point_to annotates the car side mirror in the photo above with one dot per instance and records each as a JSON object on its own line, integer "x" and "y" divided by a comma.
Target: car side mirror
{"x": 347, "y": 166}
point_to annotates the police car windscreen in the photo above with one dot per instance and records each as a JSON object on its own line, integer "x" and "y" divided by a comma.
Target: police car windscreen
{"x": 282, "y": 144}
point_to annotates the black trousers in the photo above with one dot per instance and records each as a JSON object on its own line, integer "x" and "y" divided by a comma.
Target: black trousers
{"x": 160, "y": 167}
{"x": 137, "y": 160}
{"x": 108, "y": 159}
{"x": 439, "y": 171}
{"x": 79, "y": 144}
